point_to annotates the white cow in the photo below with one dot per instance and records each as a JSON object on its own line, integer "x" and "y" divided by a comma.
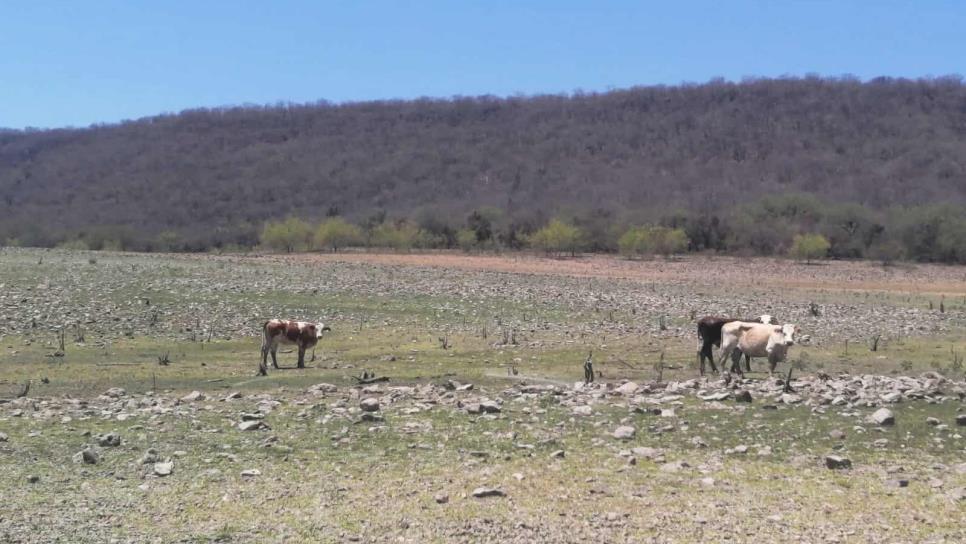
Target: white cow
{"x": 757, "y": 340}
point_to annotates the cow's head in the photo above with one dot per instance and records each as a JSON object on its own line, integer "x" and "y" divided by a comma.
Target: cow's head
{"x": 767, "y": 319}
{"x": 788, "y": 332}
{"x": 321, "y": 328}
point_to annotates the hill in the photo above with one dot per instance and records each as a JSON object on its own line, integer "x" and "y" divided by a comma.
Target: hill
{"x": 213, "y": 176}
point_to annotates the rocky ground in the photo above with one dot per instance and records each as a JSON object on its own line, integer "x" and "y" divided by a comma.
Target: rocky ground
{"x": 482, "y": 433}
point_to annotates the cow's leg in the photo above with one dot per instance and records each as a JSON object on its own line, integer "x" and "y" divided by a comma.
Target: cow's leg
{"x": 772, "y": 363}
{"x": 262, "y": 366}
{"x": 736, "y": 362}
{"x": 275, "y": 355}
{"x": 301, "y": 363}
{"x": 747, "y": 363}
{"x": 701, "y": 347}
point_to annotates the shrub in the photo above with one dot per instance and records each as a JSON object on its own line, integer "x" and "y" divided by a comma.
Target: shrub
{"x": 289, "y": 235}
{"x": 401, "y": 235}
{"x": 646, "y": 240}
{"x": 557, "y": 237}
{"x": 809, "y": 246}
{"x": 335, "y": 233}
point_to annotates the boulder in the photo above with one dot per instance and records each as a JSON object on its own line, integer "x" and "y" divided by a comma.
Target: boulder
{"x": 369, "y": 404}
{"x": 837, "y": 462}
{"x": 883, "y": 416}
{"x": 624, "y": 432}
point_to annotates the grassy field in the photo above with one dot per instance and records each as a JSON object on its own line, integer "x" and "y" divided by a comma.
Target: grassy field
{"x": 517, "y": 330}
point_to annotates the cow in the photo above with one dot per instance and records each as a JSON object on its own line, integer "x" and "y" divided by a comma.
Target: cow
{"x": 757, "y": 340}
{"x": 709, "y": 334}
{"x": 303, "y": 334}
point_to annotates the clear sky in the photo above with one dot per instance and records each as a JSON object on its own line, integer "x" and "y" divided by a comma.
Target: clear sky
{"x": 73, "y": 63}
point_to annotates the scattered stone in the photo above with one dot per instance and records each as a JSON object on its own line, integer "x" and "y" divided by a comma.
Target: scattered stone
{"x": 369, "y": 405}
{"x": 441, "y": 498}
{"x": 109, "y": 440}
{"x": 251, "y": 473}
{"x": 151, "y": 456}
{"x": 932, "y": 421}
{"x": 624, "y": 432}
{"x": 193, "y": 396}
{"x": 961, "y": 420}
{"x": 743, "y": 395}
{"x": 741, "y": 448}
{"x": 667, "y": 412}
{"x": 559, "y": 454}
{"x": 233, "y": 395}
{"x": 87, "y": 456}
{"x": 33, "y": 478}
{"x": 482, "y": 492}
{"x": 880, "y": 443}
{"x": 764, "y": 451}
{"x": 628, "y": 388}
{"x": 583, "y": 410}
{"x": 490, "y": 407}
{"x": 647, "y": 452}
{"x": 4, "y": 437}
{"x": 837, "y": 462}
{"x": 473, "y": 408}
{"x": 892, "y": 397}
{"x": 720, "y": 395}
{"x": 936, "y": 483}
{"x": 837, "y": 434}
{"x": 883, "y": 416}
{"x": 252, "y": 425}
{"x": 164, "y": 468}
{"x": 115, "y": 393}
{"x": 674, "y": 466}
{"x": 252, "y": 417}
{"x": 958, "y": 494}
{"x": 897, "y": 482}
{"x": 707, "y": 482}
{"x": 790, "y": 398}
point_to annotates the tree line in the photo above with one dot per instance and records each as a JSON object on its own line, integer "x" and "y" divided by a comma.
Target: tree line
{"x": 797, "y": 225}
{"x": 895, "y": 149}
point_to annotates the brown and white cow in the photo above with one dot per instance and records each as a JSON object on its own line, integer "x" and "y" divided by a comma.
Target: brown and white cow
{"x": 709, "y": 334}
{"x": 757, "y": 340}
{"x": 303, "y": 334}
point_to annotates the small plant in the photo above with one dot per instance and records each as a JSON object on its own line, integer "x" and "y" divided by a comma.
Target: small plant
{"x": 164, "y": 359}
{"x": 874, "y": 342}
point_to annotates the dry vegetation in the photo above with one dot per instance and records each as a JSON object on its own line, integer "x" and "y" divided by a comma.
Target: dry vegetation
{"x": 482, "y": 353}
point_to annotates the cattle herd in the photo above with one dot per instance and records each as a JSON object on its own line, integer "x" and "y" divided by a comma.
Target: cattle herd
{"x": 758, "y": 337}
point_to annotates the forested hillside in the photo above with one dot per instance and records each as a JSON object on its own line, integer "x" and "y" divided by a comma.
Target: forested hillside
{"x": 205, "y": 178}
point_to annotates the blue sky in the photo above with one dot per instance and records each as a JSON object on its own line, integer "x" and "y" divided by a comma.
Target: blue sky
{"x": 77, "y": 63}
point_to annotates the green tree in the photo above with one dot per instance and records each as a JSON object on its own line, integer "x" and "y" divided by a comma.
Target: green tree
{"x": 645, "y": 240}
{"x": 289, "y": 235}
{"x": 466, "y": 239}
{"x": 335, "y": 233}
{"x": 809, "y": 247}
{"x": 557, "y": 237}
{"x": 401, "y": 235}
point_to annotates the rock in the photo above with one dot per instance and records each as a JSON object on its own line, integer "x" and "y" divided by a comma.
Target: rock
{"x": 720, "y": 395}
{"x": 252, "y": 425}
{"x": 883, "y": 416}
{"x": 764, "y": 451}
{"x": 233, "y": 395}
{"x": 961, "y": 420}
{"x": 164, "y": 468}
{"x": 936, "y": 483}
{"x": 33, "y": 478}
{"x": 837, "y": 434}
{"x": 369, "y": 405}
{"x": 647, "y": 452}
{"x": 582, "y": 410}
{"x": 880, "y": 443}
{"x": 897, "y": 482}
{"x": 252, "y": 417}
{"x": 932, "y": 421}
{"x": 892, "y": 397}
{"x": 559, "y": 454}
{"x": 628, "y": 388}
{"x": 741, "y": 448}
{"x": 109, "y": 440}
{"x": 743, "y": 395}
{"x": 115, "y": 393}
{"x": 441, "y": 498}
{"x": 707, "y": 482}
{"x": 251, "y": 473}
{"x": 87, "y": 456}
{"x": 674, "y": 466}
{"x": 482, "y": 492}
{"x": 667, "y": 412}
{"x": 790, "y": 398}
{"x": 323, "y": 388}
{"x": 624, "y": 432}
{"x": 490, "y": 407}
{"x": 149, "y": 457}
{"x": 839, "y": 401}
{"x": 837, "y": 462}
{"x": 193, "y": 396}
{"x": 473, "y": 408}
{"x": 4, "y": 437}
{"x": 958, "y": 494}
